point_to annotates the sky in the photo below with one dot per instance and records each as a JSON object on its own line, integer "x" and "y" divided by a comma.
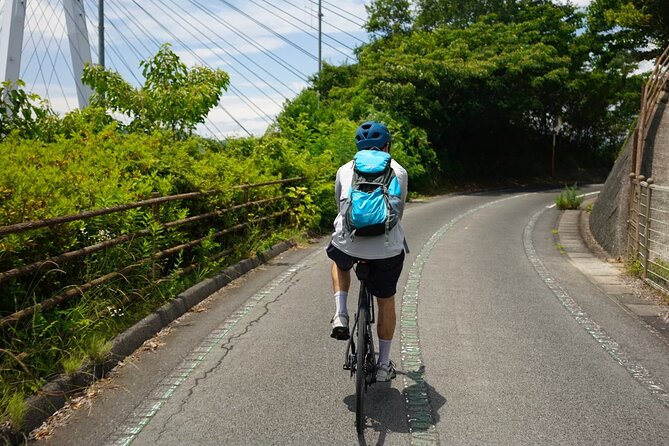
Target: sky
{"x": 269, "y": 48}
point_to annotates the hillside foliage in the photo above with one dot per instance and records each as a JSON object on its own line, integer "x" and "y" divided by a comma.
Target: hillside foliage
{"x": 470, "y": 90}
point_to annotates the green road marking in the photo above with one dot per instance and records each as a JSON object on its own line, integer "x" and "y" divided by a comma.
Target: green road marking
{"x": 420, "y": 415}
{"x": 633, "y": 367}
{"x": 128, "y": 431}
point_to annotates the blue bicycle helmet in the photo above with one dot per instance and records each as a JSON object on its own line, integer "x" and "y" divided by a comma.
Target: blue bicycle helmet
{"x": 371, "y": 134}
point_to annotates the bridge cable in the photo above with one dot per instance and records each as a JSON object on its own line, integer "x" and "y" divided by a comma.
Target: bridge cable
{"x": 249, "y": 40}
{"x": 123, "y": 36}
{"x": 300, "y": 29}
{"x": 233, "y": 57}
{"x": 330, "y": 24}
{"x": 262, "y": 25}
{"x": 196, "y": 56}
{"x": 262, "y": 114}
{"x": 239, "y": 93}
{"x": 234, "y": 90}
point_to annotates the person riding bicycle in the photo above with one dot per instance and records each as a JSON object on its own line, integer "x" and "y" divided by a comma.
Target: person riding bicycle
{"x": 384, "y": 253}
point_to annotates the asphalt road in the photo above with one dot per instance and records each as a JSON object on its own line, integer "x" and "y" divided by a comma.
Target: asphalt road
{"x": 501, "y": 340}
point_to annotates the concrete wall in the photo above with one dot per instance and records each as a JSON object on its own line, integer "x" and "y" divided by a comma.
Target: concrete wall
{"x": 657, "y": 162}
{"x": 608, "y": 221}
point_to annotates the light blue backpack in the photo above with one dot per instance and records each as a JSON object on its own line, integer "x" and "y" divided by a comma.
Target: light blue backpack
{"x": 373, "y": 205}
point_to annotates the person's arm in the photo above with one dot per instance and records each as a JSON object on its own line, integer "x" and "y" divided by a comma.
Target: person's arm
{"x": 403, "y": 178}
{"x": 338, "y": 190}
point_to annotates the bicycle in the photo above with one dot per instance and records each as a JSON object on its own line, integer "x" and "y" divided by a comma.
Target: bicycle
{"x": 361, "y": 361}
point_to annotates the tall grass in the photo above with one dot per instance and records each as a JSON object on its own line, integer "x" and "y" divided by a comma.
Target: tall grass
{"x": 570, "y": 198}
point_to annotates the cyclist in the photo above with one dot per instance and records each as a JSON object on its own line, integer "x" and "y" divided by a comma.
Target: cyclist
{"x": 383, "y": 253}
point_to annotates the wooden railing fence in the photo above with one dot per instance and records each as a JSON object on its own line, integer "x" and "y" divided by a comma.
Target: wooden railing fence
{"x": 648, "y": 231}
{"x": 267, "y": 210}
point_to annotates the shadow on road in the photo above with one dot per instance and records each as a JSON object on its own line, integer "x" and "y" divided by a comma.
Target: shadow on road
{"x": 387, "y": 409}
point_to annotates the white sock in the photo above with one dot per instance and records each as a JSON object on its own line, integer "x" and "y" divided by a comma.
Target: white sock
{"x": 340, "y": 302}
{"x": 384, "y": 351}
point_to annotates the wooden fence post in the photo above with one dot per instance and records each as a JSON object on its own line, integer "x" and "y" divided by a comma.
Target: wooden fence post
{"x": 646, "y": 256}
{"x": 155, "y": 211}
{"x": 637, "y": 233}
{"x": 630, "y": 215}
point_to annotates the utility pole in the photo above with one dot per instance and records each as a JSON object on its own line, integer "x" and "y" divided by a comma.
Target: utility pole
{"x": 557, "y": 126}
{"x": 320, "y": 38}
{"x": 101, "y": 32}
{"x": 320, "y": 51}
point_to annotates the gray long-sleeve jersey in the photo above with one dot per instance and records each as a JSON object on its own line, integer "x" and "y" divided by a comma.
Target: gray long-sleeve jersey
{"x": 376, "y": 247}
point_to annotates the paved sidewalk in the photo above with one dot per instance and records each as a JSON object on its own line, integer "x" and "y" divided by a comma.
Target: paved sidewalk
{"x": 608, "y": 275}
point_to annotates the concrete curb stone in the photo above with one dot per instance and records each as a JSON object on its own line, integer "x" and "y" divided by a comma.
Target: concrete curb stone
{"x": 605, "y": 272}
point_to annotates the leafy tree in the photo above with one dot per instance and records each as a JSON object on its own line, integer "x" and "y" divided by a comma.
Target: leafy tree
{"x": 639, "y": 28}
{"x": 25, "y": 113}
{"x": 388, "y": 17}
{"x": 487, "y": 81}
{"x": 173, "y": 97}
{"x": 463, "y": 13}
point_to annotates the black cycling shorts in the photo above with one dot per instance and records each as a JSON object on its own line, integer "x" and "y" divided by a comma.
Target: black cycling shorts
{"x": 383, "y": 273}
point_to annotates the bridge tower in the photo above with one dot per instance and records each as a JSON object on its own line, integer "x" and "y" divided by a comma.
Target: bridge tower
{"x": 12, "y": 26}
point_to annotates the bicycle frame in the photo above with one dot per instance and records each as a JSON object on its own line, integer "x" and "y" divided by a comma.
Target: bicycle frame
{"x": 365, "y": 303}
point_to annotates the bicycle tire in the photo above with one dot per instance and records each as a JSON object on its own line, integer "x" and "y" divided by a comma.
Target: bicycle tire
{"x": 360, "y": 370}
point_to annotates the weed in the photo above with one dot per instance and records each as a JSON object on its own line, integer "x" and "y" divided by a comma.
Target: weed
{"x": 635, "y": 267}
{"x": 16, "y": 410}
{"x": 569, "y": 198}
{"x": 72, "y": 363}
{"x": 98, "y": 349}
{"x": 560, "y": 248}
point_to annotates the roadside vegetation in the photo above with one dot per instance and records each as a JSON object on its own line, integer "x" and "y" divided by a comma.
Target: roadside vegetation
{"x": 470, "y": 91}
{"x": 570, "y": 198}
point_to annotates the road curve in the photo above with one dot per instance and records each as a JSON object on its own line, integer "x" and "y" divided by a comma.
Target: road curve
{"x": 500, "y": 340}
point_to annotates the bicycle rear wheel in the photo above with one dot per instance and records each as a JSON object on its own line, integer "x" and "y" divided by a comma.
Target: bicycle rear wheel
{"x": 360, "y": 370}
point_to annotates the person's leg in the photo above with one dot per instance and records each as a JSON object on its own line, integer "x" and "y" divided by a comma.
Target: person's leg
{"x": 384, "y": 274}
{"x": 386, "y": 327}
{"x": 387, "y": 318}
{"x": 341, "y": 282}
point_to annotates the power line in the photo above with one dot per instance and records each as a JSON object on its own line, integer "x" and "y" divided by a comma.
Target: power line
{"x": 242, "y": 96}
{"x": 234, "y": 58}
{"x": 304, "y": 23}
{"x": 331, "y": 25}
{"x": 360, "y": 24}
{"x": 205, "y": 63}
{"x": 262, "y": 25}
{"x": 252, "y": 42}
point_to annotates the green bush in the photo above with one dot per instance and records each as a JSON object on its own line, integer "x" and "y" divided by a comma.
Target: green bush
{"x": 92, "y": 169}
{"x": 569, "y": 198}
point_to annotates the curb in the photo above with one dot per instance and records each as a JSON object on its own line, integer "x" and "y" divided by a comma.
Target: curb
{"x": 606, "y": 273}
{"x": 54, "y": 394}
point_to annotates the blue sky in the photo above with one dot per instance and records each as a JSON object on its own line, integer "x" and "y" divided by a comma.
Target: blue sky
{"x": 233, "y": 35}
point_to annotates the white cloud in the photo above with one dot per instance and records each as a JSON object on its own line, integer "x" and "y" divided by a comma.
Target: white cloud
{"x": 210, "y": 31}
